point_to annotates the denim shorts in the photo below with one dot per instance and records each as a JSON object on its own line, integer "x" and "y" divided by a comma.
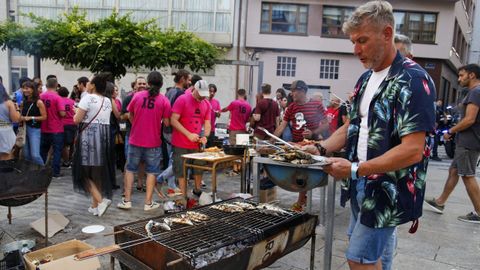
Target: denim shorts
{"x": 367, "y": 245}
{"x": 151, "y": 156}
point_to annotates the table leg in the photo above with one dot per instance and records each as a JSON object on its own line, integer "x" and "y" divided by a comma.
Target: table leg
{"x": 46, "y": 219}
{"x": 327, "y": 260}
{"x": 309, "y": 201}
{"x": 256, "y": 178}
{"x": 185, "y": 192}
{"x": 214, "y": 181}
{"x": 112, "y": 262}
{"x": 323, "y": 191}
{"x": 9, "y": 215}
{"x": 312, "y": 250}
{"x": 242, "y": 176}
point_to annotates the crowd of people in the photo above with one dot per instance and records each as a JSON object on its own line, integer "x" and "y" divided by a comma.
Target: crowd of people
{"x": 386, "y": 129}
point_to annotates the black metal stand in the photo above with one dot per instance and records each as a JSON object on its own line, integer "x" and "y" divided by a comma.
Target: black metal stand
{"x": 9, "y": 214}
{"x": 312, "y": 250}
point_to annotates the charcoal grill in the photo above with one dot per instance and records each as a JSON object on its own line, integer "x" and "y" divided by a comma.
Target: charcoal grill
{"x": 258, "y": 238}
{"x": 22, "y": 182}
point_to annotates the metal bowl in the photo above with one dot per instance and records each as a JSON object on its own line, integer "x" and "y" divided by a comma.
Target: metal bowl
{"x": 296, "y": 178}
{"x": 235, "y": 150}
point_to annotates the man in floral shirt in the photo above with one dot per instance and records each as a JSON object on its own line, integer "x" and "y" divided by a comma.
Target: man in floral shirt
{"x": 386, "y": 138}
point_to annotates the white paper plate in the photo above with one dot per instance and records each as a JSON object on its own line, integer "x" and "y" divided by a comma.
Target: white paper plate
{"x": 93, "y": 229}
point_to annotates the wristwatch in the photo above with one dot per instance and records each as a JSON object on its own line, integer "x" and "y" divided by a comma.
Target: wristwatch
{"x": 354, "y": 170}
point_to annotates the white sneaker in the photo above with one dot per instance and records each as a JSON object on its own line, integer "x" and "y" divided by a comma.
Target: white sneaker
{"x": 93, "y": 211}
{"x": 102, "y": 207}
{"x": 124, "y": 205}
{"x": 153, "y": 205}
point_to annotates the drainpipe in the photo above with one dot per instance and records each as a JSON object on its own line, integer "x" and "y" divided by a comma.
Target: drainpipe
{"x": 239, "y": 30}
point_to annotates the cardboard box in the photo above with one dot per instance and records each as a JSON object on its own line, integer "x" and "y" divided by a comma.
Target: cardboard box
{"x": 62, "y": 255}
{"x": 56, "y": 223}
{"x": 268, "y": 195}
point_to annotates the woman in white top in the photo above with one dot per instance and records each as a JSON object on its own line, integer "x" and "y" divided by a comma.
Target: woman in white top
{"x": 92, "y": 169}
{"x": 9, "y": 114}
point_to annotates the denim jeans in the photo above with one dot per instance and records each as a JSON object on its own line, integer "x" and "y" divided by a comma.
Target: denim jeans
{"x": 54, "y": 140}
{"x": 31, "y": 149}
{"x": 368, "y": 244}
{"x": 168, "y": 172}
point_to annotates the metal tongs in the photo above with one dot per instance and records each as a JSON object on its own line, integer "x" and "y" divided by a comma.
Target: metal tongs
{"x": 320, "y": 159}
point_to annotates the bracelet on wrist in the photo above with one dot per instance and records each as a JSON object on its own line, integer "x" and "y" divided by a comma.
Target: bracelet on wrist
{"x": 321, "y": 149}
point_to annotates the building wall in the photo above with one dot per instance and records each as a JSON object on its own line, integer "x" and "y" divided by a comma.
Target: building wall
{"x": 474, "y": 56}
{"x": 313, "y": 41}
{"x": 312, "y": 47}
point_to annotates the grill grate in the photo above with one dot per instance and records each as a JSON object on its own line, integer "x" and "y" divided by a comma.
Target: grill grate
{"x": 222, "y": 229}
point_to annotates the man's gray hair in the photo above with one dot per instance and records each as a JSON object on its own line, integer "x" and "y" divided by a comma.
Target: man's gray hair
{"x": 379, "y": 13}
{"x": 399, "y": 38}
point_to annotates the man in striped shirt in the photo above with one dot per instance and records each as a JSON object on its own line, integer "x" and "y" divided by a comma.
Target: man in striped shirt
{"x": 308, "y": 121}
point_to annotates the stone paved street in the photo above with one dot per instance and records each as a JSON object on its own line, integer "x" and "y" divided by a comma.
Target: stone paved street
{"x": 441, "y": 242}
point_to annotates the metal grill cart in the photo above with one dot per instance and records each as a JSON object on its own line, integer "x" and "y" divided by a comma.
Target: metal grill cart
{"x": 252, "y": 239}
{"x": 298, "y": 177}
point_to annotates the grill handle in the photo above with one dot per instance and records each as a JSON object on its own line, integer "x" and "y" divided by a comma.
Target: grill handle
{"x": 172, "y": 263}
{"x": 96, "y": 252}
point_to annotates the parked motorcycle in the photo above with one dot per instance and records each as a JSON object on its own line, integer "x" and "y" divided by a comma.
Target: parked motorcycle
{"x": 447, "y": 121}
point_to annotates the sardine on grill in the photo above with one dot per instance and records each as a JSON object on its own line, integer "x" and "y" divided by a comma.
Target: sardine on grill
{"x": 270, "y": 208}
{"x": 153, "y": 224}
{"x": 196, "y": 216}
{"x": 183, "y": 219}
{"x": 245, "y": 206}
{"x": 227, "y": 207}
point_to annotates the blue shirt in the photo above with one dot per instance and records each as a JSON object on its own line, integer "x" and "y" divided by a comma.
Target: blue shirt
{"x": 403, "y": 104}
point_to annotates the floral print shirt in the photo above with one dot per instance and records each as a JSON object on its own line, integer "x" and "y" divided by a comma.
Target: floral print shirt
{"x": 403, "y": 104}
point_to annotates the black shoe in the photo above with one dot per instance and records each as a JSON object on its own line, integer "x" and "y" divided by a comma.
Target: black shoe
{"x": 197, "y": 192}
{"x": 57, "y": 175}
{"x": 436, "y": 158}
{"x": 66, "y": 164}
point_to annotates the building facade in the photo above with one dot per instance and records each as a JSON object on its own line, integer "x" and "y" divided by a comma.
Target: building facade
{"x": 304, "y": 40}
{"x": 293, "y": 40}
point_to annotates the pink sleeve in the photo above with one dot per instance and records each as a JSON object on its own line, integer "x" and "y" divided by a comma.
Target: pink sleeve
{"x": 61, "y": 103}
{"x": 230, "y": 106}
{"x": 178, "y": 105}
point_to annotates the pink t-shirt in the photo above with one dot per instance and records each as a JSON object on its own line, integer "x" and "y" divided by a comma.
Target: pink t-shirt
{"x": 69, "y": 105}
{"x": 215, "y": 107}
{"x": 119, "y": 104}
{"x": 53, "y": 104}
{"x": 239, "y": 113}
{"x": 193, "y": 114}
{"x": 148, "y": 113}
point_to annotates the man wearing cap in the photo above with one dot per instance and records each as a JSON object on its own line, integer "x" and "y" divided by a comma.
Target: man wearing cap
{"x": 189, "y": 114}
{"x": 307, "y": 119}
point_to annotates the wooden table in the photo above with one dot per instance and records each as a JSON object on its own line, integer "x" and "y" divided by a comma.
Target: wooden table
{"x": 214, "y": 162}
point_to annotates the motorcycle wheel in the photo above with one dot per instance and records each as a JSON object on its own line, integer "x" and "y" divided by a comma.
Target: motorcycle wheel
{"x": 450, "y": 148}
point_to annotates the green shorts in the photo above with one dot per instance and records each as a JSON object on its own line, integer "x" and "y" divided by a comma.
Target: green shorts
{"x": 177, "y": 164}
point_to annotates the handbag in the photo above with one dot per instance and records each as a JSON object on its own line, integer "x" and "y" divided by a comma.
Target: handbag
{"x": 22, "y": 131}
{"x": 84, "y": 127}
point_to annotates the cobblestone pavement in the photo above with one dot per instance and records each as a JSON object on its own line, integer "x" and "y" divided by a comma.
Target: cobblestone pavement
{"x": 441, "y": 242}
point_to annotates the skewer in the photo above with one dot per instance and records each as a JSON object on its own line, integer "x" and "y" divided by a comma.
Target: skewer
{"x": 113, "y": 233}
{"x": 112, "y": 248}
